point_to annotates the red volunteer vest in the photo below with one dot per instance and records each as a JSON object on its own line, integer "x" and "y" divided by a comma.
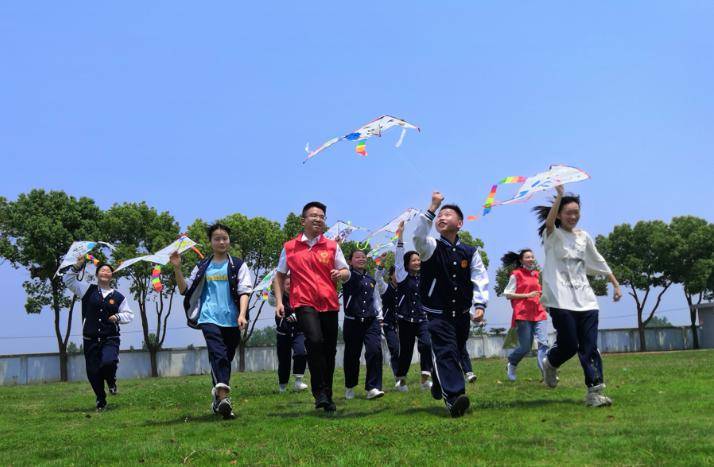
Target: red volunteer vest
{"x": 310, "y": 282}
{"x": 527, "y": 309}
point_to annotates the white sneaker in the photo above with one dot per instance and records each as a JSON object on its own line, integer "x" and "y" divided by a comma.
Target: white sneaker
{"x": 511, "y": 371}
{"x": 282, "y": 387}
{"x": 401, "y": 385}
{"x": 471, "y": 377}
{"x": 550, "y": 374}
{"x": 299, "y": 385}
{"x": 426, "y": 385}
{"x": 349, "y": 393}
{"x": 595, "y": 397}
{"x": 374, "y": 393}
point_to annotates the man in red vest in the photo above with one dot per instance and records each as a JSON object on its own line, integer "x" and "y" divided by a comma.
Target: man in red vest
{"x": 315, "y": 264}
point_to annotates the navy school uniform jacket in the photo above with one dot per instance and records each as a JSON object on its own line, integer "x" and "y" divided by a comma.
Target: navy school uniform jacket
{"x": 408, "y": 299}
{"x": 388, "y": 294}
{"x": 360, "y": 296}
{"x": 98, "y": 307}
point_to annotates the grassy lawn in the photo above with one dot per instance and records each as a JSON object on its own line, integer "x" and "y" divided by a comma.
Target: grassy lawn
{"x": 663, "y": 413}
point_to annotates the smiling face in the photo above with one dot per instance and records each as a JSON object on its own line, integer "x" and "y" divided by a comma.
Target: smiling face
{"x": 220, "y": 241}
{"x": 359, "y": 260}
{"x": 286, "y": 284}
{"x": 569, "y": 215}
{"x": 414, "y": 263}
{"x": 313, "y": 222}
{"x": 448, "y": 221}
{"x": 528, "y": 259}
{"x": 104, "y": 274}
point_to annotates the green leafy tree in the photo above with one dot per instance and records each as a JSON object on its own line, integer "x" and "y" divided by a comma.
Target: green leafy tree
{"x": 36, "y": 231}
{"x": 693, "y": 264}
{"x": 640, "y": 258}
{"x": 138, "y": 229}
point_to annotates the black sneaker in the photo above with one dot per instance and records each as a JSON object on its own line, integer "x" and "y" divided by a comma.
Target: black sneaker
{"x": 101, "y": 405}
{"x": 113, "y": 389}
{"x": 460, "y": 406}
{"x": 322, "y": 402}
{"x": 330, "y": 407}
{"x": 225, "y": 409}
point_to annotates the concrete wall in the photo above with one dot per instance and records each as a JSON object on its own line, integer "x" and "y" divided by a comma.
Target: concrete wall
{"x": 40, "y": 368}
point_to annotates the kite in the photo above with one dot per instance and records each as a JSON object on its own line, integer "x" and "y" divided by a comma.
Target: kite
{"x": 265, "y": 285}
{"x": 341, "y": 231}
{"x": 181, "y": 245}
{"x": 555, "y": 175}
{"x": 374, "y": 128}
{"x": 156, "y": 278}
{"x": 92, "y": 259}
{"x": 76, "y": 250}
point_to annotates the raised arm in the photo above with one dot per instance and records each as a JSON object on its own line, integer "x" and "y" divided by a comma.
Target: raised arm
{"x": 479, "y": 279}
{"x": 77, "y": 287}
{"x": 423, "y": 243}
{"x": 553, "y": 214}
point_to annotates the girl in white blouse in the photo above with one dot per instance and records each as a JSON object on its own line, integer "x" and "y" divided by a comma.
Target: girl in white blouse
{"x": 570, "y": 256}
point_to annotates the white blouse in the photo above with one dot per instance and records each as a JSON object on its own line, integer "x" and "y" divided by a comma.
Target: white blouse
{"x": 569, "y": 258}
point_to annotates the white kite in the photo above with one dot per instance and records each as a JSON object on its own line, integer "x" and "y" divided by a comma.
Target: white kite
{"x": 76, "y": 250}
{"x": 556, "y": 175}
{"x": 393, "y": 224}
{"x": 162, "y": 256}
{"x": 341, "y": 231}
{"x": 374, "y": 128}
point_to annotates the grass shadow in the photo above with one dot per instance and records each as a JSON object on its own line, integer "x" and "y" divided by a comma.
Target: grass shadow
{"x": 207, "y": 418}
{"x": 319, "y": 413}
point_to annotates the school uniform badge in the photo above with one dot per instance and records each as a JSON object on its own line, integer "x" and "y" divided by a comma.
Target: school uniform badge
{"x": 111, "y": 301}
{"x": 464, "y": 264}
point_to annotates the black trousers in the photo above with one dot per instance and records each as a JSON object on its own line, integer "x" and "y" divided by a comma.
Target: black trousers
{"x": 408, "y": 333}
{"x": 320, "y": 330}
{"x": 291, "y": 352}
{"x": 101, "y": 355}
{"x": 367, "y": 334}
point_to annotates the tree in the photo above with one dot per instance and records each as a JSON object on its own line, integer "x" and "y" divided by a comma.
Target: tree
{"x": 292, "y": 226}
{"x": 640, "y": 257}
{"x": 659, "y": 322}
{"x": 468, "y": 239}
{"x": 693, "y": 266}
{"x": 258, "y": 241}
{"x": 36, "y": 231}
{"x": 137, "y": 229}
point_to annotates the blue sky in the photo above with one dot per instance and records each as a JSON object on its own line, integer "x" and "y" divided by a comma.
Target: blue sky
{"x": 204, "y": 110}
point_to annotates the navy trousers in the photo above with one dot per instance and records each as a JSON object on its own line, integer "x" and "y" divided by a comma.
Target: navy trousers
{"x": 392, "y": 338}
{"x": 101, "y": 356}
{"x": 576, "y": 332}
{"x": 466, "y": 360}
{"x": 408, "y": 332}
{"x": 358, "y": 333}
{"x": 448, "y": 339}
{"x": 291, "y": 352}
{"x": 221, "y": 343}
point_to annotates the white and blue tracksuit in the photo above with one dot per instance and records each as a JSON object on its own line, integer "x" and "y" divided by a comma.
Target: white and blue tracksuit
{"x": 411, "y": 318}
{"x": 453, "y": 280}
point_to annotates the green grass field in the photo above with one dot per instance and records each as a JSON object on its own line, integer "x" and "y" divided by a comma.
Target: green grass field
{"x": 663, "y": 413}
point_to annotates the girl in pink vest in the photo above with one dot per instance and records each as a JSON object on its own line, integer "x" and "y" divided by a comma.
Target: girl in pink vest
{"x": 529, "y": 316}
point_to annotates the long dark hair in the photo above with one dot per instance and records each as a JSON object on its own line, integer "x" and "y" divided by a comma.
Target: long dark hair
{"x": 514, "y": 259}
{"x": 408, "y": 257}
{"x": 542, "y": 211}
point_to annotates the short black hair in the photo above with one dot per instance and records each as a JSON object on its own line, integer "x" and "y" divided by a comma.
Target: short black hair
{"x": 217, "y": 226}
{"x": 352, "y": 253}
{"x": 391, "y": 271}
{"x": 101, "y": 265}
{"x": 454, "y": 208}
{"x": 314, "y": 204}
